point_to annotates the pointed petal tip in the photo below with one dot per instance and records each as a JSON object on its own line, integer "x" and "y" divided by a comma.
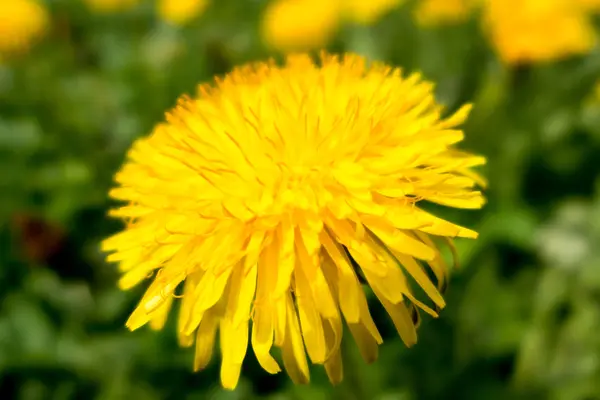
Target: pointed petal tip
{"x": 126, "y": 283}
{"x": 467, "y": 234}
{"x": 189, "y": 329}
{"x": 372, "y": 358}
{"x": 109, "y": 244}
{"x": 201, "y": 364}
{"x": 136, "y": 321}
{"x": 113, "y": 258}
{"x": 186, "y": 341}
{"x": 230, "y": 376}
{"x": 336, "y": 382}
{"x": 155, "y": 327}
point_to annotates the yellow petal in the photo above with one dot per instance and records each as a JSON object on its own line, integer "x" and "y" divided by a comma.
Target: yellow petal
{"x": 320, "y": 292}
{"x": 367, "y": 344}
{"x": 285, "y": 265}
{"x": 440, "y": 227}
{"x": 334, "y": 368}
{"x": 264, "y": 310}
{"x": 416, "y": 271}
{"x": 208, "y": 292}
{"x": 280, "y": 320}
{"x": 401, "y": 242}
{"x": 262, "y": 338}
{"x": 334, "y": 330}
{"x": 159, "y": 317}
{"x": 437, "y": 265}
{"x": 458, "y": 118}
{"x": 234, "y": 343}
{"x": 187, "y": 303}
{"x": 338, "y": 267}
{"x": 241, "y": 293}
{"x": 205, "y": 340}
{"x": 344, "y": 233}
{"x": 401, "y": 319}
{"x": 294, "y": 356}
{"x": 310, "y": 320}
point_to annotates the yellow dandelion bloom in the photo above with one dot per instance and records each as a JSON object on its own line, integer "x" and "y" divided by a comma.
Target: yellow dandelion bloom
{"x": 367, "y": 12}
{"x": 440, "y": 12}
{"x": 111, "y": 6}
{"x": 525, "y": 31}
{"x": 21, "y": 22}
{"x": 300, "y": 24}
{"x": 180, "y": 12}
{"x": 271, "y": 193}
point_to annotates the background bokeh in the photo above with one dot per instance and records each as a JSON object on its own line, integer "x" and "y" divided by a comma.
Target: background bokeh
{"x": 523, "y": 315}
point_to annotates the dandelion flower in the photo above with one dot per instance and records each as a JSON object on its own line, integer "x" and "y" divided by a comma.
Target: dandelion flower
{"x": 180, "y": 12}
{"x": 367, "y": 12}
{"x": 525, "y": 31}
{"x": 111, "y": 6}
{"x": 440, "y": 12}
{"x": 300, "y": 24}
{"x": 271, "y": 196}
{"x": 21, "y": 22}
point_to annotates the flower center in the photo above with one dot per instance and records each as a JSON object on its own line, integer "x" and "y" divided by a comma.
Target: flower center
{"x": 299, "y": 187}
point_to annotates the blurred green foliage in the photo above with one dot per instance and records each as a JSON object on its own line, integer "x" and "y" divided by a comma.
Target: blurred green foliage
{"x": 524, "y": 309}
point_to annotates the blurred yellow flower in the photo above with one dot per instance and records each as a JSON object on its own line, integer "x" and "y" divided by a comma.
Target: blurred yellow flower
{"x": 526, "y": 31}
{"x": 180, "y": 12}
{"x": 21, "y": 22}
{"x": 367, "y": 12}
{"x": 111, "y": 6}
{"x": 300, "y": 24}
{"x": 275, "y": 192}
{"x": 439, "y": 12}
{"x": 589, "y": 5}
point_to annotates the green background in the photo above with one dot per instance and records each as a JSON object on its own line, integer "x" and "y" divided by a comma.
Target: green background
{"x": 523, "y": 315}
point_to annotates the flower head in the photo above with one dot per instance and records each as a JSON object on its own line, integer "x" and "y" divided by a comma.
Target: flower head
{"x": 21, "y": 22}
{"x": 300, "y": 24}
{"x": 273, "y": 193}
{"x": 180, "y": 12}
{"x": 525, "y": 31}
